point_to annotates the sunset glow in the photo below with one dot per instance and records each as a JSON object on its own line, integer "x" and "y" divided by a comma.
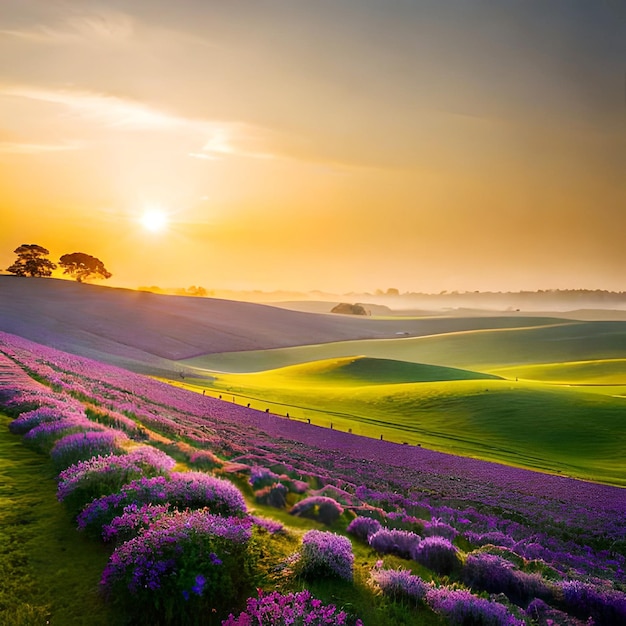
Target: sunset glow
{"x": 344, "y": 146}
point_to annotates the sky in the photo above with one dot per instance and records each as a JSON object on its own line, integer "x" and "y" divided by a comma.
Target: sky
{"x": 344, "y": 145}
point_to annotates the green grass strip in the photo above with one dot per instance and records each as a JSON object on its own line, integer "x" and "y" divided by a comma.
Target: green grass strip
{"x": 49, "y": 573}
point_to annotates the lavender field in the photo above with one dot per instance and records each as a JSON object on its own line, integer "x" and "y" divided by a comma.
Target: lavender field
{"x": 218, "y": 514}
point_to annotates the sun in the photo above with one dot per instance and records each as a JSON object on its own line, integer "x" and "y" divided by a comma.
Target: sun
{"x": 154, "y": 220}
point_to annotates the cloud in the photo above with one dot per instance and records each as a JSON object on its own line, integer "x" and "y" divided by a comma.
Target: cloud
{"x": 235, "y": 139}
{"x": 108, "y": 110}
{"x": 216, "y": 139}
{"x": 103, "y": 26}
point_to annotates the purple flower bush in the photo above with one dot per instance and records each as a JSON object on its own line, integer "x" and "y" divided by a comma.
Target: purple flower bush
{"x": 363, "y": 527}
{"x": 438, "y": 528}
{"x": 492, "y": 573}
{"x": 203, "y": 459}
{"x": 81, "y": 446}
{"x": 184, "y": 564}
{"x": 273, "y": 495}
{"x": 262, "y": 477}
{"x": 271, "y": 526}
{"x": 437, "y": 554}
{"x": 132, "y": 520}
{"x": 98, "y": 476}
{"x": 326, "y": 554}
{"x": 462, "y": 608}
{"x": 116, "y": 420}
{"x": 49, "y": 413}
{"x": 399, "y": 584}
{"x": 604, "y": 605}
{"x": 542, "y": 614}
{"x": 320, "y": 508}
{"x": 276, "y": 609}
{"x": 190, "y": 490}
{"x": 400, "y": 542}
{"x": 44, "y": 436}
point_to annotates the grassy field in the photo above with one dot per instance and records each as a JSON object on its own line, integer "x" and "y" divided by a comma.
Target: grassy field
{"x": 49, "y": 573}
{"x": 474, "y": 349}
{"x": 550, "y": 397}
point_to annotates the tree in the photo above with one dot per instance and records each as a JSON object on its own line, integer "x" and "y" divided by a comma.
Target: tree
{"x": 31, "y": 261}
{"x": 83, "y": 266}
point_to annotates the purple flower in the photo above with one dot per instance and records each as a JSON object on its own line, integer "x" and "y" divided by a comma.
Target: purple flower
{"x": 81, "y": 446}
{"x": 399, "y": 584}
{"x": 185, "y": 490}
{"x": 461, "y": 607}
{"x": 363, "y": 527}
{"x": 400, "y": 542}
{"x": 155, "y": 567}
{"x": 325, "y": 553}
{"x": 284, "y": 610}
{"x": 321, "y": 508}
{"x": 437, "y": 554}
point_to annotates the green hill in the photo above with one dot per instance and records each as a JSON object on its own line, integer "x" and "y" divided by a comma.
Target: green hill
{"x": 363, "y": 371}
{"x": 482, "y": 350}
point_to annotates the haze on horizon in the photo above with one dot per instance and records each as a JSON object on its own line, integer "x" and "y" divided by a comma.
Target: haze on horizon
{"x": 342, "y": 146}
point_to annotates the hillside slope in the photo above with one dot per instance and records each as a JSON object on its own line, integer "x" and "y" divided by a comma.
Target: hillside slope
{"x": 97, "y": 321}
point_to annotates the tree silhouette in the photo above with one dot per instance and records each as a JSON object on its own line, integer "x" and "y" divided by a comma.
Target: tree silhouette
{"x": 83, "y": 266}
{"x": 31, "y": 261}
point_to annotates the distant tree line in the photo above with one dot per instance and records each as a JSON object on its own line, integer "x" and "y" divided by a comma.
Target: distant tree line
{"x": 32, "y": 260}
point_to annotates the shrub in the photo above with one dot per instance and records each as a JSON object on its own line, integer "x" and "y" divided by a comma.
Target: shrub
{"x": 82, "y": 446}
{"x": 270, "y": 525}
{"x": 30, "y": 419}
{"x": 190, "y": 490}
{"x": 462, "y": 608}
{"x": 399, "y": 584}
{"x": 401, "y": 521}
{"x": 363, "y": 527}
{"x": 86, "y": 480}
{"x": 437, "y": 528}
{"x": 326, "y": 554}
{"x": 320, "y": 508}
{"x": 262, "y": 477}
{"x": 488, "y": 572}
{"x": 132, "y": 520}
{"x": 400, "y": 542}
{"x": 44, "y": 436}
{"x": 293, "y": 608}
{"x": 605, "y": 606}
{"x": 204, "y": 459}
{"x": 184, "y": 565}
{"x": 273, "y": 495}
{"x": 544, "y": 615}
{"x": 437, "y": 554}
